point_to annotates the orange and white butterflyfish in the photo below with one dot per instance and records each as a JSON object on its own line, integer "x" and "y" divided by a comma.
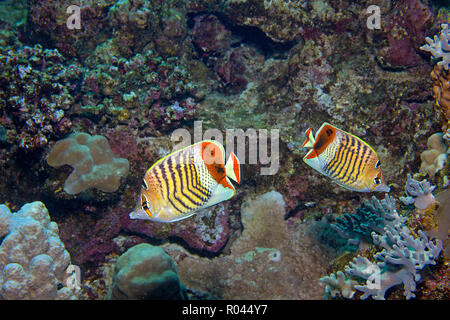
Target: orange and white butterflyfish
{"x": 346, "y": 159}
{"x": 185, "y": 181}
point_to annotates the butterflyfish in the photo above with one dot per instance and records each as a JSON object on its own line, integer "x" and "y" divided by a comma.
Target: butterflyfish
{"x": 187, "y": 180}
{"x": 346, "y": 159}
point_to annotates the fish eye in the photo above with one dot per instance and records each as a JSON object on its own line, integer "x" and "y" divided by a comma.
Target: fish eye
{"x": 378, "y": 164}
{"x": 329, "y": 132}
{"x": 377, "y": 180}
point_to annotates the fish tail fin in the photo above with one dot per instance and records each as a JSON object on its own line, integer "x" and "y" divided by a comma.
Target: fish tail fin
{"x": 232, "y": 168}
{"x": 309, "y": 142}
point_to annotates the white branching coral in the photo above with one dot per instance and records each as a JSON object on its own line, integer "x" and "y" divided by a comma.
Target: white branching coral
{"x": 439, "y": 46}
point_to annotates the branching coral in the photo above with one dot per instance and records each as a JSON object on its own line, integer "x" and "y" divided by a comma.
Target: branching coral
{"x": 94, "y": 164}
{"x": 33, "y": 260}
{"x": 439, "y": 46}
{"x": 400, "y": 262}
{"x": 373, "y": 215}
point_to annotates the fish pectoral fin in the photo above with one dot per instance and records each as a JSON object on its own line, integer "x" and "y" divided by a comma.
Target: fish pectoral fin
{"x": 309, "y": 142}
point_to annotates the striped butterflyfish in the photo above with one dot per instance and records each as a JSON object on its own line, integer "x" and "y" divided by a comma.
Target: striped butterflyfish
{"x": 346, "y": 159}
{"x": 185, "y": 181}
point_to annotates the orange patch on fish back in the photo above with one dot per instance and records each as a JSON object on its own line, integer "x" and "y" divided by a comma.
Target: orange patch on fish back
{"x": 323, "y": 139}
{"x": 212, "y": 156}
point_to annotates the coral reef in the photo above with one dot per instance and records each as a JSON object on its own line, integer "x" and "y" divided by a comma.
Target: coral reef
{"x": 145, "y": 272}
{"x": 94, "y": 164}
{"x": 419, "y": 194}
{"x": 33, "y": 259}
{"x": 137, "y": 70}
{"x": 435, "y": 157}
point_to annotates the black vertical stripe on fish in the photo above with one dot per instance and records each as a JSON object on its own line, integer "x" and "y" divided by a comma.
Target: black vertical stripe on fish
{"x": 361, "y": 158}
{"x": 368, "y": 155}
{"x": 170, "y": 191}
{"x": 191, "y": 178}
{"x": 203, "y": 194}
{"x": 198, "y": 183}
{"x": 342, "y": 162}
{"x": 185, "y": 188}
{"x": 161, "y": 181}
{"x": 348, "y": 176}
{"x": 195, "y": 181}
{"x": 349, "y": 161}
{"x": 174, "y": 174}
{"x": 337, "y": 159}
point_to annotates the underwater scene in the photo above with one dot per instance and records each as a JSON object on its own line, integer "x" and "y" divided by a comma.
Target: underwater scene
{"x": 224, "y": 150}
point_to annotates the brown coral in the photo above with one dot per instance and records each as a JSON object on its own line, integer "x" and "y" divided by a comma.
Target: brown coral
{"x": 441, "y": 92}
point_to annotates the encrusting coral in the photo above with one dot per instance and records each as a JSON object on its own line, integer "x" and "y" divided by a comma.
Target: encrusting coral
{"x": 146, "y": 272}
{"x": 33, "y": 260}
{"x": 94, "y": 164}
{"x": 435, "y": 157}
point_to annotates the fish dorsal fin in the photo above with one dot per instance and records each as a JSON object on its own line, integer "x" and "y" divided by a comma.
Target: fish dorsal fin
{"x": 309, "y": 142}
{"x": 232, "y": 168}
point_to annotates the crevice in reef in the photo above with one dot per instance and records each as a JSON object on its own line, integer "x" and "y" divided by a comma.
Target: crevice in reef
{"x": 251, "y": 36}
{"x": 173, "y": 240}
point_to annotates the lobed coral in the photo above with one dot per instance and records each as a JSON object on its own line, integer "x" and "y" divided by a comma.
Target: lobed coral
{"x": 434, "y": 158}
{"x": 419, "y": 194}
{"x": 146, "y": 272}
{"x": 33, "y": 260}
{"x": 94, "y": 164}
